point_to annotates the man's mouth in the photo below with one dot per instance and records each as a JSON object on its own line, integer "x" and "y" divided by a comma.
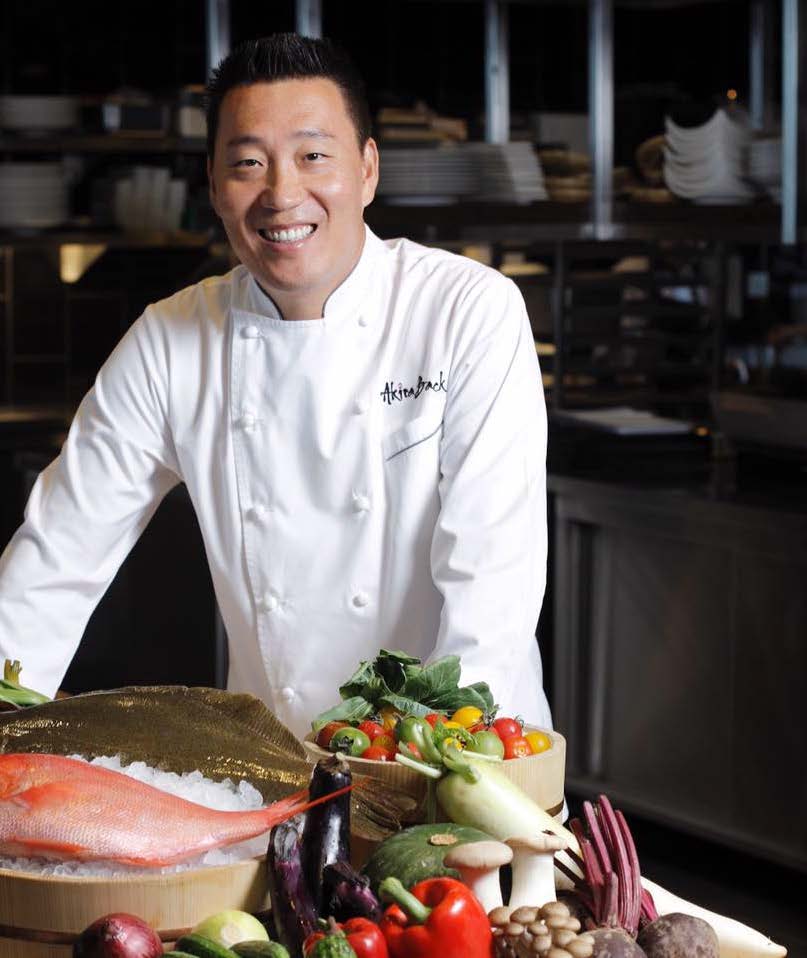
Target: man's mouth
{"x": 290, "y": 235}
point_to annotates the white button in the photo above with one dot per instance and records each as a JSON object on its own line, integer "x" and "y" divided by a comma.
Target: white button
{"x": 250, "y": 332}
{"x": 361, "y": 503}
{"x": 363, "y": 320}
{"x": 361, "y": 405}
{"x": 268, "y": 603}
{"x": 259, "y": 511}
{"x": 361, "y": 599}
{"x": 248, "y": 421}
{"x": 288, "y": 694}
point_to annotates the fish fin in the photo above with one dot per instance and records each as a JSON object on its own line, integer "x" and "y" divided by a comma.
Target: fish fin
{"x": 41, "y": 845}
{"x": 42, "y": 796}
{"x": 296, "y": 803}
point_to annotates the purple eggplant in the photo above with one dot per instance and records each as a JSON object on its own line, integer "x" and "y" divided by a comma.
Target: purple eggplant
{"x": 347, "y": 893}
{"x": 326, "y": 835}
{"x": 293, "y": 908}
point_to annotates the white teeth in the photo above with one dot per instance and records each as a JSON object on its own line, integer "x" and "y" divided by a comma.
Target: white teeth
{"x": 287, "y": 236}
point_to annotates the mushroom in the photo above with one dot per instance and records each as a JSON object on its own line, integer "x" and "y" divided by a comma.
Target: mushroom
{"x": 478, "y": 864}
{"x": 534, "y": 868}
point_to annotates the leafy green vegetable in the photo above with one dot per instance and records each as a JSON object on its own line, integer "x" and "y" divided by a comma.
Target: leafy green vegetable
{"x": 349, "y": 710}
{"x": 399, "y": 680}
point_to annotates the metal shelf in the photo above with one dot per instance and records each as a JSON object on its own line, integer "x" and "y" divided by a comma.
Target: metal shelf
{"x": 102, "y": 143}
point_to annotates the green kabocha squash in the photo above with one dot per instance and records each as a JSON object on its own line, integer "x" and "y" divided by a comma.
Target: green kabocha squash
{"x": 417, "y": 853}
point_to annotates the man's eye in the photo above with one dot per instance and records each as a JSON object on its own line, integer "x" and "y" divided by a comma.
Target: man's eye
{"x": 314, "y": 156}
{"x": 249, "y": 162}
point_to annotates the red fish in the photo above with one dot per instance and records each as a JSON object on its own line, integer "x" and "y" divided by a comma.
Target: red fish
{"x": 56, "y": 807}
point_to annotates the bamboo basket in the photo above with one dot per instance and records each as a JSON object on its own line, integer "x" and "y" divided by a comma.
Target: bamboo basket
{"x": 40, "y": 916}
{"x": 540, "y": 776}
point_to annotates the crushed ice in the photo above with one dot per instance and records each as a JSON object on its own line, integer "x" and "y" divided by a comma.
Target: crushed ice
{"x": 193, "y": 786}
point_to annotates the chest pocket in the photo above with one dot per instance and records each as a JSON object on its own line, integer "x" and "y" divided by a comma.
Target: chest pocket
{"x": 416, "y": 431}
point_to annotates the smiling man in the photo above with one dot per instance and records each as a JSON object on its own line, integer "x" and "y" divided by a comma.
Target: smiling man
{"x": 360, "y": 425}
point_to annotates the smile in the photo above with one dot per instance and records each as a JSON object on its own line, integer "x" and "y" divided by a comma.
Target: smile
{"x": 293, "y": 235}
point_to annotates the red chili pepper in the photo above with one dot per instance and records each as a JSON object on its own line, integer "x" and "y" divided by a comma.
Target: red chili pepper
{"x": 439, "y": 918}
{"x": 363, "y": 936}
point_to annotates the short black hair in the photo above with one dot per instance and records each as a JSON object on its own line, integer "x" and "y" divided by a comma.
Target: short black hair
{"x": 287, "y": 56}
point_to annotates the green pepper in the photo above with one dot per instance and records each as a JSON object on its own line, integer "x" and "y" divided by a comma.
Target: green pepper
{"x": 351, "y": 741}
{"x": 418, "y": 732}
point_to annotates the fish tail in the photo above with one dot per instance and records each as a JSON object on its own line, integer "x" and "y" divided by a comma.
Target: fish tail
{"x": 296, "y": 803}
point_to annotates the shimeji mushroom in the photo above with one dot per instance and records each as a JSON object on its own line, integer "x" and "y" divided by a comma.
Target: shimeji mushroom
{"x": 478, "y": 864}
{"x": 534, "y": 868}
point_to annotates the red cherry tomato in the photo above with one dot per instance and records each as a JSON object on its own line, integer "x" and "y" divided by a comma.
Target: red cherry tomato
{"x": 385, "y": 741}
{"x": 372, "y": 729}
{"x": 378, "y": 754}
{"x": 516, "y": 746}
{"x": 477, "y": 728}
{"x": 434, "y": 717}
{"x": 506, "y": 728}
{"x": 326, "y": 733}
{"x": 413, "y": 750}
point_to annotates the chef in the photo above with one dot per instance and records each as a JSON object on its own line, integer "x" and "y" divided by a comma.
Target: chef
{"x": 360, "y": 425}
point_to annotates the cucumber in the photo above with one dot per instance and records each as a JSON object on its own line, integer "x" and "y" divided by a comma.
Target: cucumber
{"x": 179, "y": 954}
{"x": 260, "y": 949}
{"x": 201, "y": 947}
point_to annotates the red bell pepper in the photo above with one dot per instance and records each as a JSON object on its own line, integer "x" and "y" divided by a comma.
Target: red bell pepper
{"x": 363, "y": 936}
{"x": 439, "y": 918}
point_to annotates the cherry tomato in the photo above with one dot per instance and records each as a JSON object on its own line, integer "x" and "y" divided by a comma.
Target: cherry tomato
{"x": 413, "y": 750}
{"x": 539, "y": 741}
{"x": 506, "y": 728}
{"x": 479, "y": 727}
{"x": 371, "y": 729}
{"x": 467, "y": 715}
{"x": 385, "y": 741}
{"x": 325, "y": 734}
{"x": 487, "y": 742}
{"x": 516, "y": 746}
{"x": 452, "y": 724}
{"x": 389, "y": 717}
{"x": 351, "y": 741}
{"x": 378, "y": 754}
{"x": 434, "y": 717}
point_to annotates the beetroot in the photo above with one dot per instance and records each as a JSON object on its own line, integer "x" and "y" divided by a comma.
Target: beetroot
{"x": 614, "y": 943}
{"x": 679, "y": 936}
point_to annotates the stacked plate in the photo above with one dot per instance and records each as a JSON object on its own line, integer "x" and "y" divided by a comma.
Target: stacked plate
{"x": 765, "y": 165}
{"x": 509, "y": 172}
{"x": 38, "y": 114}
{"x": 32, "y": 195}
{"x": 427, "y": 176}
{"x": 707, "y": 163}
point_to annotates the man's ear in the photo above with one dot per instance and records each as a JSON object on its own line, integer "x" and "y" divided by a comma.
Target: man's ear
{"x": 369, "y": 163}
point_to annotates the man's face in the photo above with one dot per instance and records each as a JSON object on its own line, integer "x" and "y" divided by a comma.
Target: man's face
{"x": 290, "y": 184}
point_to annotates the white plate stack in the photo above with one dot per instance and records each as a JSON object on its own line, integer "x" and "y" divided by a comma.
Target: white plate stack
{"x": 427, "y": 176}
{"x": 707, "y": 163}
{"x": 38, "y": 114}
{"x": 765, "y": 165}
{"x": 33, "y": 195}
{"x": 509, "y": 172}
{"x": 150, "y": 200}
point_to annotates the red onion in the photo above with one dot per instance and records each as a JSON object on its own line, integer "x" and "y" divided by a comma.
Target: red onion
{"x": 118, "y": 936}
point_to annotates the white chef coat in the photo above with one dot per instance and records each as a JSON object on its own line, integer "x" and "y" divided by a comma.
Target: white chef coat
{"x": 373, "y": 478}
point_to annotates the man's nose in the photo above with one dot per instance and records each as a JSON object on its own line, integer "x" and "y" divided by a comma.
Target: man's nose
{"x": 283, "y": 188}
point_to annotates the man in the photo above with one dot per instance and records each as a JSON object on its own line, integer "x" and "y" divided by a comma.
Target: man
{"x": 360, "y": 425}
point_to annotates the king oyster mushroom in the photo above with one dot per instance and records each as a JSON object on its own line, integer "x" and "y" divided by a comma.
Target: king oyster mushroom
{"x": 534, "y": 868}
{"x": 478, "y": 864}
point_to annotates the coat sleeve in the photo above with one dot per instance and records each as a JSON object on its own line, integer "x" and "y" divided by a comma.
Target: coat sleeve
{"x": 88, "y": 508}
{"x": 489, "y": 547}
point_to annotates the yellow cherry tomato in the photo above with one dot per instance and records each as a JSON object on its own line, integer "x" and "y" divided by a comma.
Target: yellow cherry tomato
{"x": 466, "y": 716}
{"x": 452, "y": 724}
{"x": 453, "y": 742}
{"x": 388, "y": 717}
{"x": 539, "y": 741}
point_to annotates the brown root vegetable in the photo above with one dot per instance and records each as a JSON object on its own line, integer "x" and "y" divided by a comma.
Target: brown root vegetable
{"x": 679, "y": 936}
{"x": 614, "y": 943}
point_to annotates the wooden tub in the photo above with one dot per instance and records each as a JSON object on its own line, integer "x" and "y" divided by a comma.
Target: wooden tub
{"x": 40, "y": 916}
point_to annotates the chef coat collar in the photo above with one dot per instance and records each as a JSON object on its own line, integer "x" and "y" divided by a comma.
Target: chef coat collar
{"x": 349, "y": 299}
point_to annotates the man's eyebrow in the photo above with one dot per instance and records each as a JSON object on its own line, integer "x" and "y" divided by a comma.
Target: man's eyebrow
{"x": 316, "y": 134}
{"x": 244, "y": 140}
{"x": 249, "y": 139}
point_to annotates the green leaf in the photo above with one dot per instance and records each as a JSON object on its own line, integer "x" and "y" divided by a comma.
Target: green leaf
{"x": 436, "y": 679}
{"x": 452, "y": 699}
{"x": 354, "y": 709}
{"x": 484, "y": 690}
{"x": 357, "y": 681}
{"x": 406, "y": 705}
{"x": 391, "y": 666}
